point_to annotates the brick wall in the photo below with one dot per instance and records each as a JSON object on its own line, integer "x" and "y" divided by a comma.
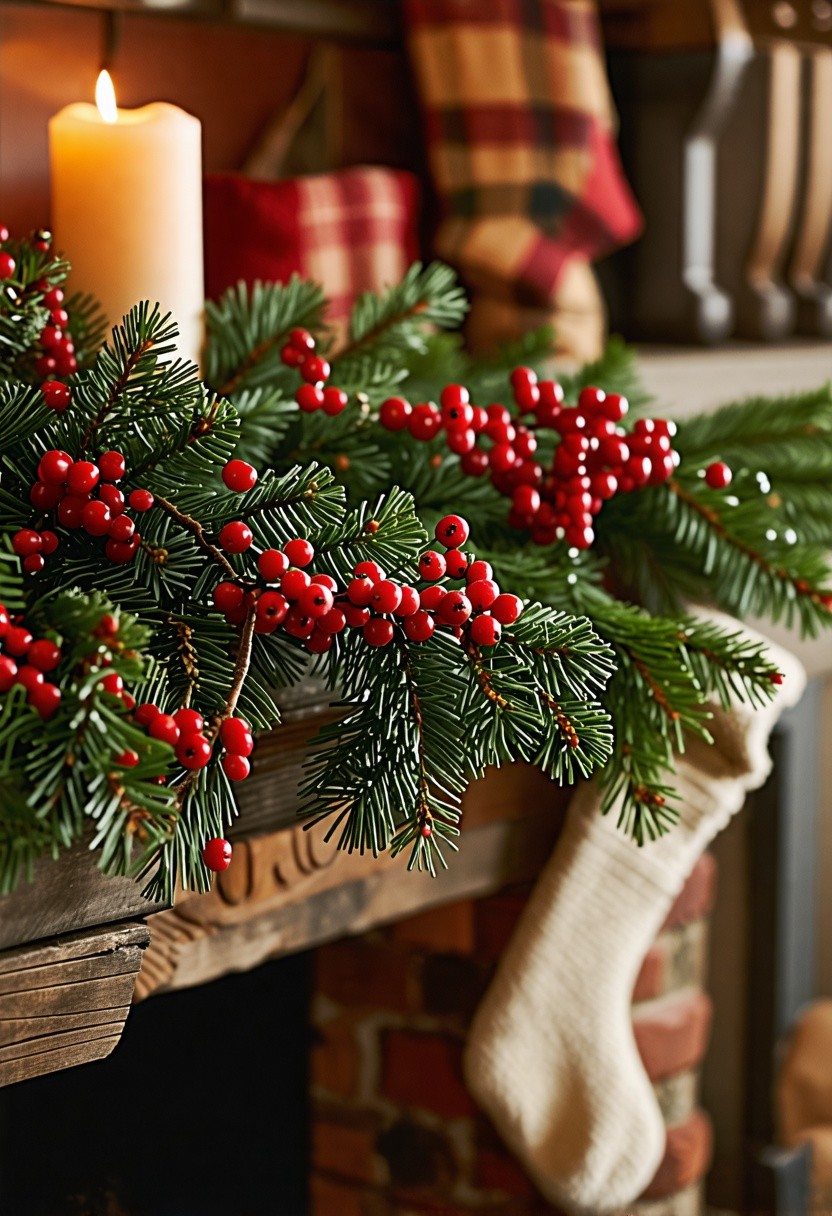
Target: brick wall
{"x": 395, "y": 1132}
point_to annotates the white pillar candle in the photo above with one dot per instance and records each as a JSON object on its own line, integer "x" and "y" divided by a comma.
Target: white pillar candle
{"x": 127, "y": 207}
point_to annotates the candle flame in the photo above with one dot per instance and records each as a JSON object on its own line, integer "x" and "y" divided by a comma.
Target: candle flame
{"x": 105, "y": 97}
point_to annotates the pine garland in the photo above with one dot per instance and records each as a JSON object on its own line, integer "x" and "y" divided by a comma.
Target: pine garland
{"x": 600, "y": 668}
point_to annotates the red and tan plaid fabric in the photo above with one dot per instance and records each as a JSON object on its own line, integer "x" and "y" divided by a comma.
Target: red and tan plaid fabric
{"x": 519, "y": 125}
{"x": 352, "y": 231}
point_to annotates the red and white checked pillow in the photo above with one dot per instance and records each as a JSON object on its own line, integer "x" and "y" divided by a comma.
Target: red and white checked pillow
{"x": 352, "y": 231}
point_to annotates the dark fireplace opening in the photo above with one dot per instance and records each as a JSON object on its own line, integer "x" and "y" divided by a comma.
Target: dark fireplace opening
{"x": 201, "y": 1110}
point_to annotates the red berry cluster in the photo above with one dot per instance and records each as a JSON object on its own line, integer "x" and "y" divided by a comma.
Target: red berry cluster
{"x": 85, "y": 496}
{"x": 299, "y": 352}
{"x": 26, "y": 660}
{"x": 57, "y": 357}
{"x": 311, "y": 606}
{"x": 594, "y": 459}
{"x": 57, "y": 350}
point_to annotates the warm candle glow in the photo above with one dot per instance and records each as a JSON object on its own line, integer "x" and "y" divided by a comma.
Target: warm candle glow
{"x": 105, "y": 97}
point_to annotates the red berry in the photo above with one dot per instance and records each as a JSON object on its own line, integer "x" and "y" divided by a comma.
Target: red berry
{"x": 590, "y": 399}
{"x": 378, "y": 632}
{"x": 291, "y": 356}
{"x": 294, "y": 583}
{"x": 145, "y": 714}
{"x": 453, "y": 396}
{"x": 432, "y": 565}
{"x": 525, "y": 501}
{"x": 59, "y": 317}
{"x": 236, "y": 737}
{"x": 614, "y": 407}
{"x": 394, "y": 413}
{"x": 108, "y": 626}
{"x": 456, "y": 563}
{"x": 319, "y": 641}
{"x": 193, "y": 750}
{"x": 53, "y": 297}
{"x": 502, "y": 457}
{"x": 4, "y": 620}
{"x": 301, "y": 339}
{"x": 122, "y": 552}
{"x": 228, "y": 596}
{"x": 580, "y": 536}
{"x": 239, "y": 476}
{"x": 122, "y": 528}
{"x": 141, "y": 500}
{"x": 360, "y": 591}
{"x": 65, "y": 363}
{"x": 82, "y": 477}
{"x": 387, "y": 596}
{"x": 522, "y": 377}
{"x": 272, "y": 608}
{"x": 26, "y": 541}
{"x": 461, "y": 442}
{"x": 334, "y": 621}
{"x": 409, "y": 602}
{"x": 113, "y": 683}
{"x": 478, "y": 570}
{"x": 71, "y": 510}
{"x": 96, "y": 518}
{"x": 235, "y": 537}
{"x": 29, "y": 676}
{"x": 45, "y": 699}
{"x": 485, "y": 631}
{"x": 426, "y": 829}
{"x": 44, "y": 655}
{"x": 482, "y": 593}
{"x": 112, "y": 466}
{"x": 356, "y": 616}
{"x": 419, "y": 627}
{"x": 45, "y": 366}
{"x": 163, "y": 727}
{"x": 236, "y": 768}
{"x": 777, "y": 677}
{"x": 316, "y": 600}
{"x": 326, "y": 581}
{"x": 44, "y": 497}
{"x": 49, "y": 542}
{"x": 452, "y": 531}
{"x": 7, "y": 265}
{"x": 272, "y": 564}
{"x": 188, "y": 721}
{"x": 126, "y": 759}
{"x": 299, "y": 552}
{"x": 51, "y": 336}
{"x": 371, "y": 570}
{"x": 474, "y": 463}
{"x": 718, "y": 475}
{"x": 310, "y": 397}
{"x": 425, "y": 421}
{"x": 506, "y": 608}
{"x": 56, "y": 395}
{"x": 335, "y": 400}
{"x": 314, "y": 369}
{"x": 432, "y": 597}
{"x": 18, "y": 640}
{"x": 54, "y": 467}
{"x": 34, "y": 563}
{"x": 8, "y": 672}
{"x": 216, "y": 854}
{"x": 455, "y": 608}
{"x": 113, "y": 497}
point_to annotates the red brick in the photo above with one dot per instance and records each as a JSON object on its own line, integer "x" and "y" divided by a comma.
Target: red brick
{"x": 362, "y": 972}
{"x": 697, "y": 896}
{"x": 331, "y": 1198}
{"x": 447, "y": 930}
{"x": 497, "y": 1170}
{"x": 425, "y": 1071}
{"x": 650, "y": 980}
{"x": 496, "y": 919}
{"x": 345, "y": 1150}
{"x": 336, "y": 1059}
{"x": 686, "y": 1158}
{"x": 672, "y": 1034}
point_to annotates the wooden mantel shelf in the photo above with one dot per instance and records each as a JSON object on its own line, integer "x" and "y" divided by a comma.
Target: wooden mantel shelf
{"x": 76, "y": 948}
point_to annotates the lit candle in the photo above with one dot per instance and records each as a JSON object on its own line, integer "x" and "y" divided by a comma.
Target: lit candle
{"x": 127, "y": 207}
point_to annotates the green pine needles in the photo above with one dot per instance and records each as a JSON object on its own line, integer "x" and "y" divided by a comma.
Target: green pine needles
{"x": 184, "y": 611}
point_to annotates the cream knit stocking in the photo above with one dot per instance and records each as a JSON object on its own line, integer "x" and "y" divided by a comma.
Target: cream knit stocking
{"x": 551, "y": 1055}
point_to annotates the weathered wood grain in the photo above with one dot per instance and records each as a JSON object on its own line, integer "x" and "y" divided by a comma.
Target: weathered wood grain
{"x": 64, "y": 1001}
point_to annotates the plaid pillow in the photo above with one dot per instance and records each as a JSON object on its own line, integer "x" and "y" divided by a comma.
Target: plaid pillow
{"x": 519, "y": 126}
{"x": 351, "y": 231}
